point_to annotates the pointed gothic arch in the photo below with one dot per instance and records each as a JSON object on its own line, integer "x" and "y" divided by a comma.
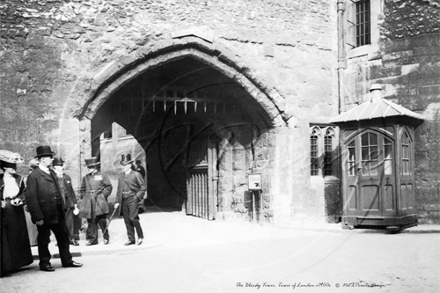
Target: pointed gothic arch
{"x": 100, "y": 82}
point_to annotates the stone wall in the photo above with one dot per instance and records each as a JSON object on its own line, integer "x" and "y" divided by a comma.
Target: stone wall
{"x": 49, "y": 47}
{"x": 408, "y": 67}
{"x": 61, "y": 59}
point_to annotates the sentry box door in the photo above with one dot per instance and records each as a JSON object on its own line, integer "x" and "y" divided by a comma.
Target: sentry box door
{"x": 369, "y": 167}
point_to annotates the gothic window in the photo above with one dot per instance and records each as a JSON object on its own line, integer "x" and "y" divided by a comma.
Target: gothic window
{"x": 406, "y": 155}
{"x": 322, "y": 149}
{"x": 314, "y": 153}
{"x": 328, "y": 151}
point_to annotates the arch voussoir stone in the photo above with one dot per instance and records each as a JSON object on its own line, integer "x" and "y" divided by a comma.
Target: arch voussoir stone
{"x": 100, "y": 83}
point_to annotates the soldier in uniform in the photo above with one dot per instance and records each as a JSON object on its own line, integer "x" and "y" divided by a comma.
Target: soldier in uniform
{"x": 95, "y": 189}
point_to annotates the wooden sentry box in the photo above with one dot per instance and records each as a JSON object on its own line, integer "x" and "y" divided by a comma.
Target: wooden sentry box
{"x": 377, "y": 147}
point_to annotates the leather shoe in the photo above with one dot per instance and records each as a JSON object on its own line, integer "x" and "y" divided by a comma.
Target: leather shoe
{"x": 73, "y": 264}
{"x": 140, "y": 240}
{"x": 47, "y": 268}
{"x": 91, "y": 243}
{"x": 129, "y": 243}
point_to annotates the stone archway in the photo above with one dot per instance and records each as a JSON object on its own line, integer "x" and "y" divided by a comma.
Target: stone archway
{"x": 100, "y": 82}
{"x": 93, "y": 91}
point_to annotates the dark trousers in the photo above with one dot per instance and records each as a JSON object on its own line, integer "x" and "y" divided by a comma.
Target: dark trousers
{"x": 131, "y": 218}
{"x": 76, "y": 226}
{"x": 92, "y": 228}
{"x": 73, "y": 223}
{"x": 62, "y": 236}
{"x": 69, "y": 223}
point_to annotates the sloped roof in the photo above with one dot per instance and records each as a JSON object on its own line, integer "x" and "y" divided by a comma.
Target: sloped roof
{"x": 375, "y": 109}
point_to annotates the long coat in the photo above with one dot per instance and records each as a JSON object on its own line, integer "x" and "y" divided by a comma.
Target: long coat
{"x": 94, "y": 191}
{"x": 40, "y": 194}
{"x": 15, "y": 247}
{"x": 71, "y": 200}
{"x": 135, "y": 183}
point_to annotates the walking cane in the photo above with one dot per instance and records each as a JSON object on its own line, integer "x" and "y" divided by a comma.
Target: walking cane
{"x": 111, "y": 218}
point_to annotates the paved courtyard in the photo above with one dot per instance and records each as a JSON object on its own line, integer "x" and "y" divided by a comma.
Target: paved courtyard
{"x": 186, "y": 254}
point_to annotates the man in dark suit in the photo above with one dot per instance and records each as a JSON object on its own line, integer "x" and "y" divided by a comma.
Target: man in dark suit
{"x": 65, "y": 183}
{"x": 47, "y": 206}
{"x": 131, "y": 191}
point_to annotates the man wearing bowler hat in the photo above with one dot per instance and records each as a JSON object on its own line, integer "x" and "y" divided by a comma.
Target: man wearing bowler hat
{"x": 131, "y": 191}
{"x": 47, "y": 205}
{"x": 95, "y": 189}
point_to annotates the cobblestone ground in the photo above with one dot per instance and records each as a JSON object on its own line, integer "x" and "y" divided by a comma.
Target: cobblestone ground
{"x": 299, "y": 262}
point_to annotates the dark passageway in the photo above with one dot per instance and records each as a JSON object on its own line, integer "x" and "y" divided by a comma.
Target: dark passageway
{"x": 183, "y": 114}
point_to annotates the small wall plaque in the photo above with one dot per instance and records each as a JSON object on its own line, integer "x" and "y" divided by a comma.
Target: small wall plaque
{"x": 254, "y": 181}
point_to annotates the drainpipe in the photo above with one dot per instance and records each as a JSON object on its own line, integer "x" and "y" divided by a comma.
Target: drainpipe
{"x": 341, "y": 98}
{"x": 341, "y": 54}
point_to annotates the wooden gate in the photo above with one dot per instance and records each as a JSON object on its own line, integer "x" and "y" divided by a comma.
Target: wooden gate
{"x": 197, "y": 189}
{"x": 201, "y": 180}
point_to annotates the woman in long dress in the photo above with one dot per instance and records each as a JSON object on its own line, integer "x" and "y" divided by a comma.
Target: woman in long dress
{"x": 15, "y": 247}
